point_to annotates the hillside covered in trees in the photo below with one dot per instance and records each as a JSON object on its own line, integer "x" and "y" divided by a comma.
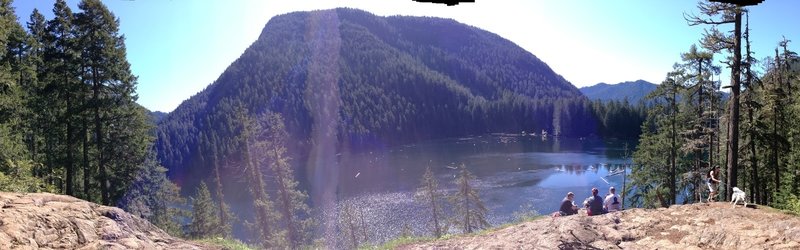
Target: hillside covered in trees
{"x": 634, "y": 91}
{"x": 350, "y": 78}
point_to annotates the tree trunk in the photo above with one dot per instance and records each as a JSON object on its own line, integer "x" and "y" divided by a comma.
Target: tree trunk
{"x": 672, "y": 153}
{"x": 432, "y": 191}
{"x": 283, "y": 189}
{"x": 86, "y": 169}
{"x": 223, "y": 217}
{"x": 70, "y": 154}
{"x": 733, "y": 125}
{"x": 701, "y": 126}
{"x": 775, "y": 149}
{"x": 753, "y": 159}
{"x": 98, "y": 131}
{"x": 776, "y": 115}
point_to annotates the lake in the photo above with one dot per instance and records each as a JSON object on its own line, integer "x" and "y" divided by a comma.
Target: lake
{"x": 514, "y": 173}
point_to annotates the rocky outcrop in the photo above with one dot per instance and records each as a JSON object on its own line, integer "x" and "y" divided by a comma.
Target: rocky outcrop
{"x": 695, "y": 226}
{"x": 44, "y": 220}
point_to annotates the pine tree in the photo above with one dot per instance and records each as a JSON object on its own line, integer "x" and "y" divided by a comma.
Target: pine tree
{"x": 715, "y": 14}
{"x": 251, "y": 135}
{"x": 655, "y": 186}
{"x": 226, "y": 217}
{"x": 106, "y": 70}
{"x": 204, "y": 221}
{"x": 429, "y": 196}
{"x": 468, "y": 209}
{"x": 41, "y": 100}
{"x": 698, "y": 136}
{"x": 290, "y": 201}
{"x": 17, "y": 172}
{"x": 61, "y": 53}
{"x": 154, "y": 197}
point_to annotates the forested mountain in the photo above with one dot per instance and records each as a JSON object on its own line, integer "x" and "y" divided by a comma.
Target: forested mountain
{"x": 634, "y": 91}
{"x": 359, "y": 80}
{"x": 156, "y": 116}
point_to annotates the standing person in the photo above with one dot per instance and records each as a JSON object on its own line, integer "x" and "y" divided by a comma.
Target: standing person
{"x": 611, "y": 203}
{"x": 713, "y": 182}
{"x": 595, "y": 203}
{"x": 568, "y": 205}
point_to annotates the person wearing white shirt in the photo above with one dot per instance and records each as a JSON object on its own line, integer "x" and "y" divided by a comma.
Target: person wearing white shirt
{"x": 611, "y": 202}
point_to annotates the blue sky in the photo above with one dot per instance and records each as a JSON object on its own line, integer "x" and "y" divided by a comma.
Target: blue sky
{"x": 178, "y": 47}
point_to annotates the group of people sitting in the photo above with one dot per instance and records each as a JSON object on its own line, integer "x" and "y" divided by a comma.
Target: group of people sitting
{"x": 595, "y": 205}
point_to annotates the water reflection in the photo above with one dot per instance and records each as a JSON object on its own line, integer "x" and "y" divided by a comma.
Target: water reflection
{"x": 512, "y": 172}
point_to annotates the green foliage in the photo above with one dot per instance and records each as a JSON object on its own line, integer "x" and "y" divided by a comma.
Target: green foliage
{"x": 255, "y": 136}
{"x": 296, "y": 222}
{"x": 469, "y": 213}
{"x": 620, "y": 119}
{"x": 227, "y": 244}
{"x": 633, "y": 92}
{"x": 392, "y": 83}
{"x": 771, "y": 130}
{"x": 655, "y": 156}
{"x": 204, "y": 220}
{"x": 153, "y": 197}
{"x": 399, "y": 242}
{"x": 60, "y": 79}
{"x": 17, "y": 176}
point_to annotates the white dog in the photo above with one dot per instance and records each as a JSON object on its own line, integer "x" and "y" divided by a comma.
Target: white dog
{"x": 738, "y": 195}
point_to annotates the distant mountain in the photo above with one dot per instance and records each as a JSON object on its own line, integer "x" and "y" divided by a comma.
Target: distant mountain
{"x": 634, "y": 91}
{"x": 371, "y": 81}
{"x": 156, "y": 116}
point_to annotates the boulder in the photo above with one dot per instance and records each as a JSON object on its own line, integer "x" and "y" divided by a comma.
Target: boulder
{"x": 695, "y": 226}
{"x": 51, "y": 221}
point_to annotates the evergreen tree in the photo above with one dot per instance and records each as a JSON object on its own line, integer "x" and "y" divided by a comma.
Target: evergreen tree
{"x": 700, "y": 112}
{"x": 204, "y": 221}
{"x": 107, "y": 72}
{"x": 290, "y": 202}
{"x": 752, "y": 127}
{"x": 61, "y": 55}
{"x": 655, "y": 171}
{"x": 715, "y": 14}
{"x": 776, "y": 112}
{"x": 429, "y": 196}
{"x": 17, "y": 171}
{"x": 154, "y": 197}
{"x": 226, "y": 217}
{"x": 253, "y": 146}
{"x": 468, "y": 209}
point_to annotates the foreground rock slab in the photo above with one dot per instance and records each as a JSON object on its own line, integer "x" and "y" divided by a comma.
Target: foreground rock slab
{"x": 50, "y": 221}
{"x": 695, "y": 226}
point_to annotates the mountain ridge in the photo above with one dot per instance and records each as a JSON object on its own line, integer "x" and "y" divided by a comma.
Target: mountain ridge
{"x": 376, "y": 81}
{"x": 634, "y": 91}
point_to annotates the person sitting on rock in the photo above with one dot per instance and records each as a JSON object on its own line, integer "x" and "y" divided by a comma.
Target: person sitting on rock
{"x": 595, "y": 203}
{"x": 611, "y": 203}
{"x": 568, "y": 205}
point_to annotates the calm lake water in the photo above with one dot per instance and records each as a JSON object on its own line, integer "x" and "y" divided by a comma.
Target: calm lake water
{"x": 514, "y": 173}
